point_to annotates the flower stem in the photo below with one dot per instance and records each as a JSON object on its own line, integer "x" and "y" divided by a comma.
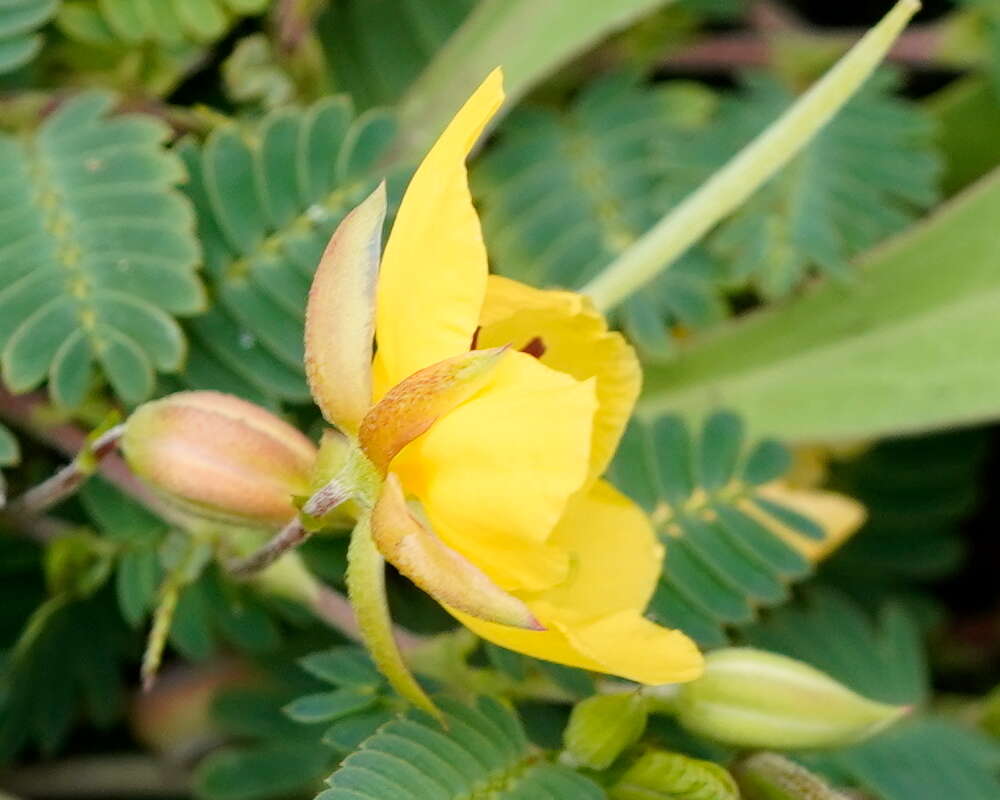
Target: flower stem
{"x": 750, "y": 168}
{"x": 366, "y": 590}
{"x": 67, "y": 480}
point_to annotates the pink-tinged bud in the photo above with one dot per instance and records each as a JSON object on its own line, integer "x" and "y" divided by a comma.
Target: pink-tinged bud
{"x": 219, "y": 457}
{"x": 443, "y": 573}
{"x": 414, "y": 404}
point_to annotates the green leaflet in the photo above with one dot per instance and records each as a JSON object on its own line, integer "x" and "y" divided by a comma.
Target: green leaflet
{"x": 20, "y": 21}
{"x": 267, "y": 199}
{"x": 374, "y": 56}
{"x": 722, "y": 562}
{"x": 171, "y": 23}
{"x": 562, "y": 194}
{"x": 865, "y": 176}
{"x": 98, "y": 253}
{"x": 911, "y": 347}
{"x": 482, "y": 753}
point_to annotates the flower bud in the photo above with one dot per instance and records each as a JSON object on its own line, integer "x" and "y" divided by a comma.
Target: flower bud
{"x": 219, "y": 457}
{"x": 602, "y": 726}
{"x": 751, "y": 698}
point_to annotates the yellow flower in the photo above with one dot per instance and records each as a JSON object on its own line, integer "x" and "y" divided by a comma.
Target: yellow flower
{"x": 497, "y": 408}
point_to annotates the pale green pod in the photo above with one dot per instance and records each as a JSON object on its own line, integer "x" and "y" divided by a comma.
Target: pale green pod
{"x": 752, "y": 698}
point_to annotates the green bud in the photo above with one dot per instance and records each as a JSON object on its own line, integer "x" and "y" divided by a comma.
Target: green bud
{"x": 751, "y": 698}
{"x": 769, "y": 776}
{"x": 661, "y": 775}
{"x": 602, "y": 726}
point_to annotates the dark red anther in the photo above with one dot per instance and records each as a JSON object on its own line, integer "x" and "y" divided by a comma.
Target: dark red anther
{"x": 536, "y": 347}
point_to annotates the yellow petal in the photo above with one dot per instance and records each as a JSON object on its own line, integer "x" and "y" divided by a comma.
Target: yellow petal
{"x": 495, "y": 474}
{"x": 837, "y": 514}
{"x": 576, "y": 341}
{"x": 411, "y": 406}
{"x": 615, "y": 555}
{"x": 594, "y": 618}
{"x": 630, "y": 646}
{"x": 340, "y": 316}
{"x": 625, "y": 644}
{"x": 433, "y": 276}
{"x": 440, "y": 571}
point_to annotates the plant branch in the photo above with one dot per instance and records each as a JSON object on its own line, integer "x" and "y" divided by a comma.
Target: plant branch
{"x": 123, "y": 776}
{"x": 67, "y": 480}
{"x": 289, "y": 537}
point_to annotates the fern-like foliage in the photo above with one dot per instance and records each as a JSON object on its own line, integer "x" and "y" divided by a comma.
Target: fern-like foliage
{"x": 563, "y": 193}
{"x": 268, "y": 197}
{"x": 726, "y": 555}
{"x": 115, "y": 23}
{"x": 482, "y": 752}
{"x": 375, "y": 49}
{"x": 917, "y": 492}
{"x": 866, "y": 176}
{"x": 20, "y": 21}
{"x": 98, "y": 253}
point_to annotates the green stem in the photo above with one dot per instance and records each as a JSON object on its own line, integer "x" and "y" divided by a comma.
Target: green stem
{"x": 750, "y": 168}
{"x": 366, "y": 590}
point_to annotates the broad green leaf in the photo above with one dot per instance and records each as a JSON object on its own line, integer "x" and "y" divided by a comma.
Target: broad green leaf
{"x": 482, "y": 752}
{"x": 733, "y": 544}
{"x": 912, "y": 345}
{"x": 966, "y": 113}
{"x": 374, "y": 56}
{"x": 528, "y": 39}
{"x": 267, "y": 198}
{"x": 98, "y": 253}
{"x": 19, "y": 22}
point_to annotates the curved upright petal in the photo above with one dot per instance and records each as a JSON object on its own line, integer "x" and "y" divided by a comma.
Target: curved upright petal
{"x": 574, "y": 338}
{"x": 340, "y": 316}
{"x": 434, "y": 267}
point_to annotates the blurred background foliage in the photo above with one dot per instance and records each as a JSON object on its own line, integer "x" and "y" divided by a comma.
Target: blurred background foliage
{"x": 170, "y": 171}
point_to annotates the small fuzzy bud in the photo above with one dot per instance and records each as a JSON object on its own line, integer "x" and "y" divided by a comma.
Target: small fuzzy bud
{"x": 602, "y": 726}
{"x": 219, "y": 457}
{"x": 751, "y": 698}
